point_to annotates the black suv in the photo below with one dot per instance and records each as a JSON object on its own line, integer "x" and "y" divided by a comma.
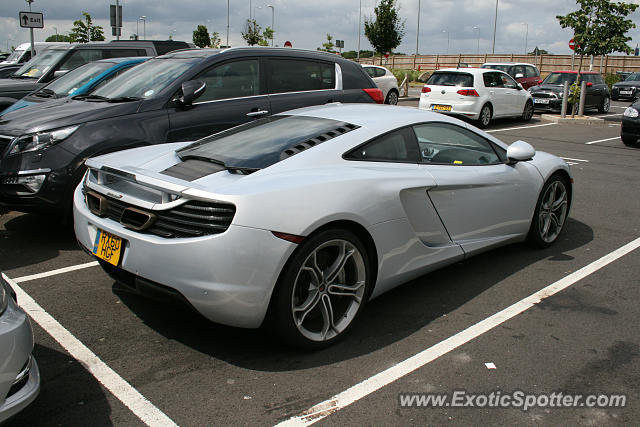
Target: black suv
{"x": 548, "y": 96}
{"x": 55, "y": 61}
{"x": 181, "y": 96}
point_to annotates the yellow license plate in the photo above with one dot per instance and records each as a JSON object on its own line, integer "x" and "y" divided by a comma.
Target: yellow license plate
{"x": 107, "y": 247}
{"x": 441, "y": 107}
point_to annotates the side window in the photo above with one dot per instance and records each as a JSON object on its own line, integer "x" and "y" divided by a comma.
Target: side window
{"x": 380, "y": 72}
{"x": 492, "y": 80}
{"x": 80, "y": 57}
{"x": 508, "y": 82}
{"x": 599, "y": 80}
{"x": 531, "y": 71}
{"x": 396, "y": 146}
{"x": 231, "y": 80}
{"x": 121, "y": 53}
{"x": 518, "y": 69}
{"x": 289, "y": 75}
{"x": 26, "y": 57}
{"x": 371, "y": 71}
{"x": 443, "y": 143}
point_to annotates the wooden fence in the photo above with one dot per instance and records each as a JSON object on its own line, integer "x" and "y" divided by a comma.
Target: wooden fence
{"x": 545, "y": 63}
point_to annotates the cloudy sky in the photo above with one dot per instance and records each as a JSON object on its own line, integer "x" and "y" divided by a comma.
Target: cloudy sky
{"x": 306, "y": 22}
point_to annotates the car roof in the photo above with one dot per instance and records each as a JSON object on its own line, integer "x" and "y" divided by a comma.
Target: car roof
{"x": 124, "y": 59}
{"x": 508, "y": 63}
{"x": 207, "y": 52}
{"x": 575, "y": 72}
{"x": 469, "y": 70}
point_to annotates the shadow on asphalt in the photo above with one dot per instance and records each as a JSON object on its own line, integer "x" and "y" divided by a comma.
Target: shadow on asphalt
{"x": 69, "y": 395}
{"x": 46, "y": 237}
{"x": 387, "y": 319}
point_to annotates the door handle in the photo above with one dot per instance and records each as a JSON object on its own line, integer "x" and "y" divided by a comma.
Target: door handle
{"x": 257, "y": 113}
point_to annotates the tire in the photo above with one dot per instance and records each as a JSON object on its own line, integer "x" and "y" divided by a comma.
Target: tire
{"x": 550, "y": 216}
{"x": 629, "y": 140}
{"x": 485, "y": 116}
{"x": 318, "y": 299}
{"x": 392, "y": 97}
{"x": 604, "y": 105}
{"x": 527, "y": 113}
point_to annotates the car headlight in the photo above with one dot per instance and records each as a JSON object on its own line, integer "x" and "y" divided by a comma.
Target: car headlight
{"x": 42, "y": 140}
{"x": 631, "y": 112}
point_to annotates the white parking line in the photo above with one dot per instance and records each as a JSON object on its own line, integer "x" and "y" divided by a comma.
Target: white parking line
{"x": 521, "y": 127}
{"x": 601, "y": 140}
{"x": 55, "y": 272}
{"x": 384, "y": 378}
{"x": 121, "y": 389}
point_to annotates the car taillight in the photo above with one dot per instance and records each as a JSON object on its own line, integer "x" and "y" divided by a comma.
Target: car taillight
{"x": 375, "y": 94}
{"x": 426, "y": 89}
{"x": 539, "y": 82}
{"x": 468, "y": 92}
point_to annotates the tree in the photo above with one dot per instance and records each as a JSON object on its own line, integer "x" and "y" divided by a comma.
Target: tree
{"x": 215, "y": 39}
{"x": 81, "y": 31}
{"x": 201, "y": 36}
{"x": 58, "y": 38}
{"x": 251, "y": 32}
{"x": 599, "y": 28}
{"x": 386, "y": 31}
{"x": 328, "y": 45}
{"x": 266, "y": 36}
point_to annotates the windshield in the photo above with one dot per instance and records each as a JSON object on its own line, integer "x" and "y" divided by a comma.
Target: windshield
{"x": 40, "y": 64}
{"x": 13, "y": 58}
{"x": 635, "y": 77}
{"x": 505, "y": 68}
{"x": 147, "y": 79}
{"x": 261, "y": 143}
{"x": 71, "y": 81}
{"x": 560, "y": 78}
{"x": 451, "y": 79}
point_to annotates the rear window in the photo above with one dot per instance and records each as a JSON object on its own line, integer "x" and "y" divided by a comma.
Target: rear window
{"x": 560, "y": 78}
{"x": 505, "y": 68}
{"x": 266, "y": 141}
{"x": 451, "y": 79}
{"x": 291, "y": 75}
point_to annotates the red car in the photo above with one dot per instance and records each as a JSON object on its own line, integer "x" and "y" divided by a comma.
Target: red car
{"x": 527, "y": 75}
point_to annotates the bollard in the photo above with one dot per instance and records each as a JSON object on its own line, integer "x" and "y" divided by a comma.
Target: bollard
{"x": 583, "y": 95}
{"x": 565, "y": 95}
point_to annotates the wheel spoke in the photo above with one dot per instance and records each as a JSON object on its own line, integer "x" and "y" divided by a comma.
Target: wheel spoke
{"x": 315, "y": 279}
{"x": 337, "y": 266}
{"x": 327, "y": 316}
{"x": 306, "y": 307}
{"x": 343, "y": 290}
{"x": 546, "y": 222}
{"x": 562, "y": 200}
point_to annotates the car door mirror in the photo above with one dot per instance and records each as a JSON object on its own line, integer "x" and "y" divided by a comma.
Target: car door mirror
{"x": 191, "y": 90}
{"x": 520, "y": 87}
{"x": 519, "y": 76}
{"x": 520, "y": 151}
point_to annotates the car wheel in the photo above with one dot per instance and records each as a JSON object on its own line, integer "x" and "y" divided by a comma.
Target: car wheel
{"x": 485, "y": 116}
{"x": 527, "y": 113}
{"x": 322, "y": 289}
{"x": 392, "y": 98}
{"x": 629, "y": 140}
{"x": 551, "y": 211}
{"x": 604, "y": 106}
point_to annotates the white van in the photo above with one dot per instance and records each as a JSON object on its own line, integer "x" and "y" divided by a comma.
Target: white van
{"x": 23, "y": 52}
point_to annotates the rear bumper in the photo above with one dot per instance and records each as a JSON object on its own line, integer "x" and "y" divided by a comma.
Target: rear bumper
{"x": 470, "y": 109}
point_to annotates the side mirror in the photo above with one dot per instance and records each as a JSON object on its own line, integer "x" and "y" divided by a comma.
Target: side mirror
{"x": 59, "y": 73}
{"x": 191, "y": 90}
{"x": 520, "y": 87}
{"x": 589, "y": 84}
{"x": 519, "y": 76}
{"x": 520, "y": 151}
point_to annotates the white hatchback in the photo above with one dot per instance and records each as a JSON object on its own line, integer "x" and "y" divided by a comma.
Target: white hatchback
{"x": 386, "y": 82}
{"x": 479, "y": 94}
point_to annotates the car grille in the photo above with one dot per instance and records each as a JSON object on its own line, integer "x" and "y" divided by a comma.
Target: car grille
{"x": 4, "y": 143}
{"x": 544, "y": 95}
{"x": 191, "y": 219}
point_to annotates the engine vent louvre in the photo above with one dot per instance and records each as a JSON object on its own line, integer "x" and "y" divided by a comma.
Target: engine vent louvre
{"x": 319, "y": 139}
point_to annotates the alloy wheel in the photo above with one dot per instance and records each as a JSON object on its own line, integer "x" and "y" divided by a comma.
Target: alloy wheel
{"x": 328, "y": 290}
{"x": 553, "y": 212}
{"x": 392, "y": 98}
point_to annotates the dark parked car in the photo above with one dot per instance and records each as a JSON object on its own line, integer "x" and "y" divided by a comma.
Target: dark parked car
{"x": 548, "y": 96}
{"x": 629, "y": 88}
{"x": 181, "y": 96}
{"x": 630, "y": 130}
{"x": 7, "y": 70}
{"x": 525, "y": 74}
{"x": 58, "y": 60}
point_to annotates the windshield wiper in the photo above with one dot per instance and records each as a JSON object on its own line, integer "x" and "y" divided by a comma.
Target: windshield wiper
{"x": 90, "y": 98}
{"x": 124, "y": 99}
{"x": 45, "y": 93}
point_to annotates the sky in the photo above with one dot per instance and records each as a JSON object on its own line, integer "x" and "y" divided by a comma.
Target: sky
{"x": 305, "y": 23}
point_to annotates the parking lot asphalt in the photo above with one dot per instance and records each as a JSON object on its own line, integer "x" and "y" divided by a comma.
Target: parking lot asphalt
{"x": 584, "y": 339}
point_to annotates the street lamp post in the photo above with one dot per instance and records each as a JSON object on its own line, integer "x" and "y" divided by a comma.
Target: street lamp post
{"x": 56, "y": 29}
{"x": 227, "y": 23}
{"x": 143, "y": 18}
{"x": 33, "y": 51}
{"x": 475, "y": 27}
{"x": 495, "y": 26}
{"x": 526, "y": 36}
{"x": 359, "y": 30}
{"x": 418, "y": 30}
{"x": 273, "y": 29}
{"x": 445, "y": 31}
